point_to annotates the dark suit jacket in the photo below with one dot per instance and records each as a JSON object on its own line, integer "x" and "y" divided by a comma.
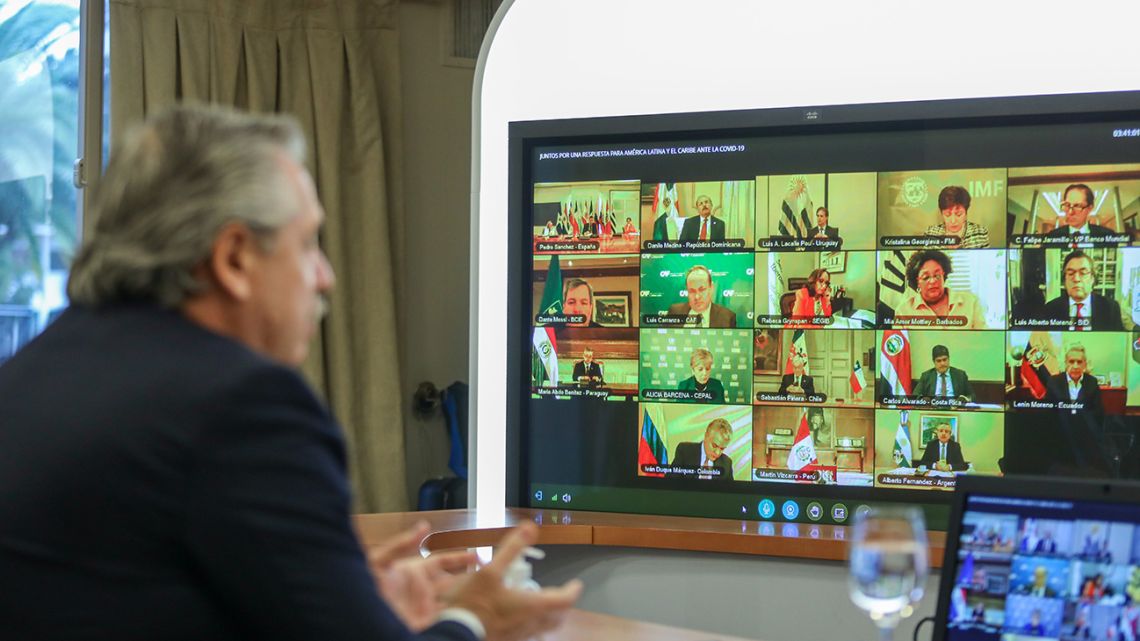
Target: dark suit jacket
{"x": 163, "y": 482}
{"x": 1057, "y": 391}
{"x": 593, "y": 369}
{"x": 1094, "y": 231}
{"x": 692, "y": 228}
{"x": 713, "y": 387}
{"x": 928, "y": 383}
{"x": 720, "y": 317}
{"x": 953, "y": 455}
{"x": 1105, "y": 312}
{"x": 806, "y": 382}
{"x": 689, "y": 455}
{"x": 828, "y": 232}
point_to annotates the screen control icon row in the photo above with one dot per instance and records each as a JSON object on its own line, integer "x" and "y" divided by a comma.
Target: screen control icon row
{"x": 815, "y": 511}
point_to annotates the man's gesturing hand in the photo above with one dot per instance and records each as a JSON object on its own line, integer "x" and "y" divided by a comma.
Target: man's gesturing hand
{"x": 512, "y": 615}
{"x": 413, "y": 586}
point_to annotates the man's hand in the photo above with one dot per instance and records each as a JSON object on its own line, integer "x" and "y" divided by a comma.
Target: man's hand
{"x": 511, "y": 615}
{"x": 412, "y": 585}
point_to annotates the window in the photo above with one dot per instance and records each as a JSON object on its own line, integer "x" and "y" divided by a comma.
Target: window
{"x": 39, "y": 214}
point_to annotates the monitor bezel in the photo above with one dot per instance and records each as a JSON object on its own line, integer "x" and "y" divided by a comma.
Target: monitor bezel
{"x": 525, "y": 136}
{"x": 1031, "y": 487}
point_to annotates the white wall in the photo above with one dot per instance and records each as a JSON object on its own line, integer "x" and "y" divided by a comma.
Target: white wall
{"x": 436, "y": 250}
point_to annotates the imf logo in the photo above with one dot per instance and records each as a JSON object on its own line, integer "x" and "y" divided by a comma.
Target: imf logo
{"x": 915, "y": 191}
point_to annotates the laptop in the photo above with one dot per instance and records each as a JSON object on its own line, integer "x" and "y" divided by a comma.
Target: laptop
{"x": 1033, "y": 558}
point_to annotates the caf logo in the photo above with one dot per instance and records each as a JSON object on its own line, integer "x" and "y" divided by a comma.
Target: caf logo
{"x": 914, "y": 191}
{"x": 894, "y": 345}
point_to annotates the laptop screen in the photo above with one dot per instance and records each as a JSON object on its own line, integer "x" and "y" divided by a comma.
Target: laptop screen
{"x": 1043, "y": 568}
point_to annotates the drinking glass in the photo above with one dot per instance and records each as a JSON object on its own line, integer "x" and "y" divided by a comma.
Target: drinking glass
{"x": 888, "y": 564}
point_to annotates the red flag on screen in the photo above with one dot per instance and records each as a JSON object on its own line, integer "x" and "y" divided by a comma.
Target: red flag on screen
{"x": 1033, "y": 372}
{"x": 802, "y": 453}
{"x": 894, "y": 361}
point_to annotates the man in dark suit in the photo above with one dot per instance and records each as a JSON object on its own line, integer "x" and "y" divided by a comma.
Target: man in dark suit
{"x": 703, "y": 226}
{"x": 797, "y": 382}
{"x": 1040, "y": 586}
{"x": 1082, "y": 428}
{"x": 822, "y": 229}
{"x": 578, "y": 300}
{"x": 701, "y": 289}
{"x": 1075, "y": 384}
{"x": 1079, "y": 301}
{"x": 943, "y": 453}
{"x": 709, "y": 454}
{"x": 1046, "y": 544}
{"x": 1076, "y": 205}
{"x": 167, "y": 472}
{"x": 942, "y": 380}
{"x": 587, "y": 372}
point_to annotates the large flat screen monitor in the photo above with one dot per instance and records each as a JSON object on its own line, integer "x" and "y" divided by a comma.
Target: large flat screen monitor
{"x": 784, "y": 314}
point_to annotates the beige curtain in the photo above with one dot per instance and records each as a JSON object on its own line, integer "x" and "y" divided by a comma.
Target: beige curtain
{"x": 334, "y": 64}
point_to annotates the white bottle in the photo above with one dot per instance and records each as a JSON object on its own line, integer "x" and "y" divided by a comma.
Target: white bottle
{"x": 520, "y": 575}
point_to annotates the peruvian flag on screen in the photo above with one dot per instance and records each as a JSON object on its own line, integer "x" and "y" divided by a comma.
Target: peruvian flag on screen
{"x": 802, "y": 453}
{"x": 858, "y": 383}
{"x": 894, "y": 361}
{"x": 797, "y": 348}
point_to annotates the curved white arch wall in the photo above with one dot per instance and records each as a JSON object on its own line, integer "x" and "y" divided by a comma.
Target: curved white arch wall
{"x": 579, "y": 58}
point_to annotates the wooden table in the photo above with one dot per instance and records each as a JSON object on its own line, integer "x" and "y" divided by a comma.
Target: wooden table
{"x": 469, "y": 528}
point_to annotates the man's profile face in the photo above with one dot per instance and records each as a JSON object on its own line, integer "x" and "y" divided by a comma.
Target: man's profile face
{"x": 700, "y": 291}
{"x": 579, "y": 301}
{"x": 702, "y": 370}
{"x": 1075, "y": 364}
{"x": 954, "y": 218}
{"x": 1078, "y": 277}
{"x": 941, "y": 364}
{"x": 704, "y": 206}
{"x": 288, "y": 282}
{"x": 715, "y": 442}
{"x": 944, "y": 433}
{"x": 931, "y": 281}
{"x": 1076, "y": 207}
{"x": 821, "y": 218}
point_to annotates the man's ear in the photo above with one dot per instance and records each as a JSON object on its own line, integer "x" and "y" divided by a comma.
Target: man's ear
{"x": 233, "y": 259}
